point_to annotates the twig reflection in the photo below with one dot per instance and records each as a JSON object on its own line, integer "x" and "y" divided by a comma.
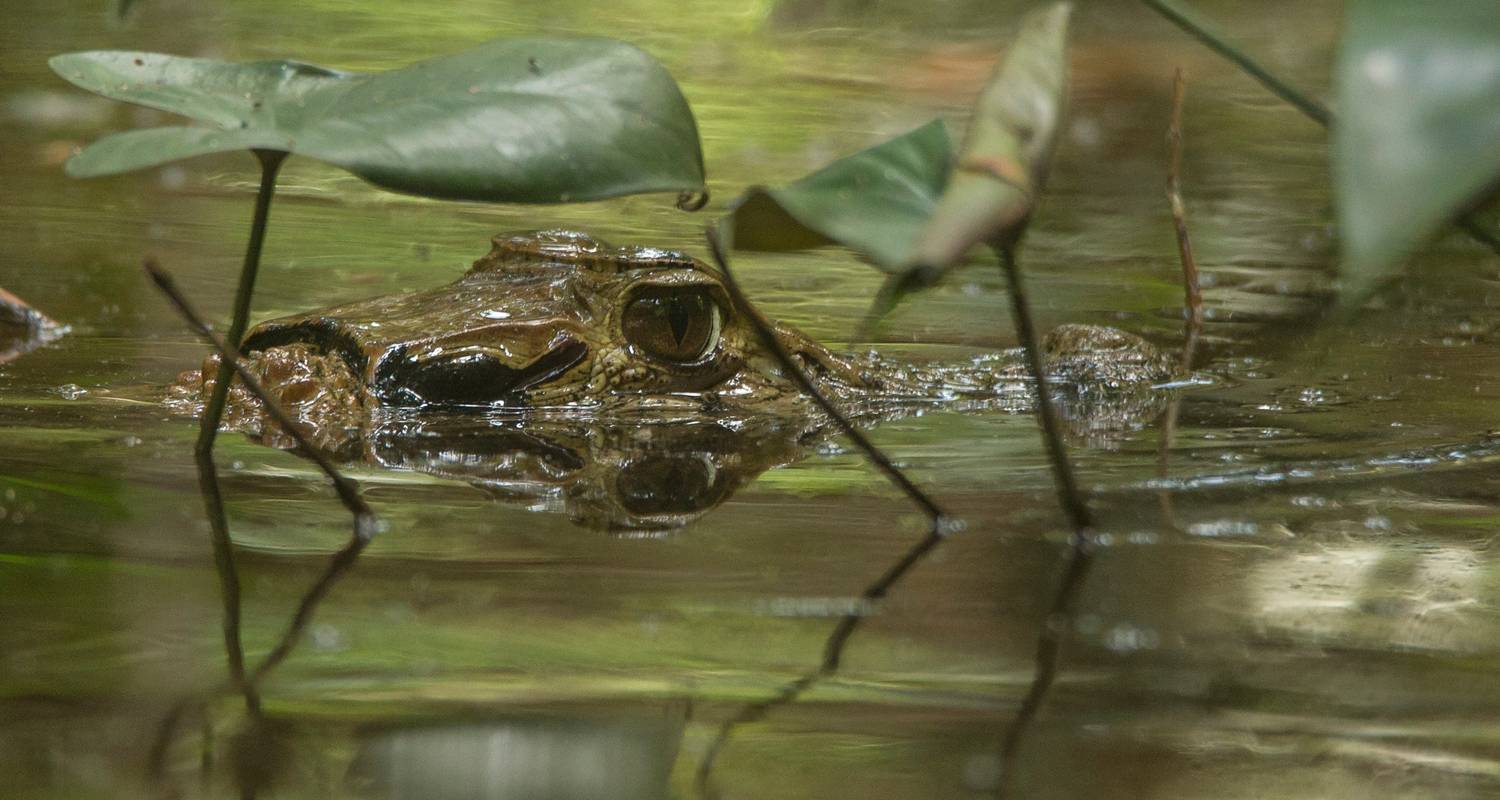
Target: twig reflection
{"x": 939, "y": 526}
{"x": 1059, "y": 619}
{"x": 365, "y": 526}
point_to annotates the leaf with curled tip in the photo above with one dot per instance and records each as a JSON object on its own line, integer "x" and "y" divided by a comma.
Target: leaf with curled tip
{"x": 907, "y": 205}
{"x": 513, "y": 120}
{"x": 1003, "y": 163}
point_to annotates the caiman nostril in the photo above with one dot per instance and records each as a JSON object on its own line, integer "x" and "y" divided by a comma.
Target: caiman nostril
{"x": 472, "y": 378}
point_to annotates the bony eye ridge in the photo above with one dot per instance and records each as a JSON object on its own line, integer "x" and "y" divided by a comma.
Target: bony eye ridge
{"x": 680, "y": 325}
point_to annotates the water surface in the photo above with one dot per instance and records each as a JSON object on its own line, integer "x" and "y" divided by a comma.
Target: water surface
{"x": 1301, "y": 603}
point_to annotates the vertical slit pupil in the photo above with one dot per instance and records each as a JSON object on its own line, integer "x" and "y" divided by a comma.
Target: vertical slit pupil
{"x": 679, "y": 316}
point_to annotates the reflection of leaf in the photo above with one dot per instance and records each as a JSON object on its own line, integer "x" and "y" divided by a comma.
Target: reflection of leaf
{"x": 1003, "y": 163}
{"x": 873, "y": 201}
{"x": 520, "y": 120}
{"x": 1418, "y": 138}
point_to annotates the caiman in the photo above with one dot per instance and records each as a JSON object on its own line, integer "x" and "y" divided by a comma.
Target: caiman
{"x": 554, "y": 331}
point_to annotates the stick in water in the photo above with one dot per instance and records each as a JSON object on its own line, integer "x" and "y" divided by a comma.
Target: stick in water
{"x": 366, "y": 524}
{"x": 1191, "y": 289}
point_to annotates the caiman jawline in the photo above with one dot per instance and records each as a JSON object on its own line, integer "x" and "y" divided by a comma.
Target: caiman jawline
{"x": 471, "y": 379}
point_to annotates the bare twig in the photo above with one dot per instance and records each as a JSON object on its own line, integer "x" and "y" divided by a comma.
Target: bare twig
{"x": 939, "y": 526}
{"x": 1191, "y": 289}
{"x": 365, "y": 526}
{"x": 1312, "y": 109}
{"x": 365, "y": 522}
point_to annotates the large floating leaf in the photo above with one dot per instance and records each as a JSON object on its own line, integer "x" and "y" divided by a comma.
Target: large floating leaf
{"x": 1418, "y": 136}
{"x": 519, "y": 120}
{"x": 1003, "y": 163}
{"x": 874, "y": 201}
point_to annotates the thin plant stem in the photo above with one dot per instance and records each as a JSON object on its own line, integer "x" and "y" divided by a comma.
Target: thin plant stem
{"x": 337, "y": 566}
{"x": 365, "y": 526}
{"x": 1311, "y": 108}
{"x": 1062, "y": 471}
{"x": 833, "y": 653}
{"x": 940, "y": 525}
{"x": 1058, "y": 622}
{"x": 1196, "y": 28}
{"x": 1192, "y": 291}
{"x": 1055, "y": 627}
{"x": 774, "y": 346}
{"x": 213, "y": 411}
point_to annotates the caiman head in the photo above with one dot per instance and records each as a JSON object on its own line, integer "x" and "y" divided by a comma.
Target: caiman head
{"x": 555, "y": 319}
{"x": 556, "y": 335}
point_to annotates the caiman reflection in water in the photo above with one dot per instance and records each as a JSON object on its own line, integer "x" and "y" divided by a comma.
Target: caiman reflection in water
{"x": 621, "y": 384}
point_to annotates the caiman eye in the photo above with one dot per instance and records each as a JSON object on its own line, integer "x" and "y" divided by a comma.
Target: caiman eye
{"x": 673, "y": 324}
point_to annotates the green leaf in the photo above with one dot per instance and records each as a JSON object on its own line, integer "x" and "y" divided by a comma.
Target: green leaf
{"x": 1418, "y": 136}
{"x": 518, "y": 120}
{"x": 1002, "y": 165}
{"x": 874, "y": 201}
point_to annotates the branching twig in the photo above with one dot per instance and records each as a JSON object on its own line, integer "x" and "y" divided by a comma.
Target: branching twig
{"x": 939, "y": 526}
{"x": 1312, "y": 109}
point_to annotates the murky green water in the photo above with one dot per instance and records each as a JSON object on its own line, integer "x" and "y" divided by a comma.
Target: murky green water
{"x": 1304, "y": 606}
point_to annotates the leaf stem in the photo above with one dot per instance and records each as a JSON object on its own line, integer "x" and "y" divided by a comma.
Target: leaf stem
{"x": 1058, "y": 622}
{"x": 1195, "y": 28}
{"x": 213, "y": 412}
{"x": 1062, "y": 470}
